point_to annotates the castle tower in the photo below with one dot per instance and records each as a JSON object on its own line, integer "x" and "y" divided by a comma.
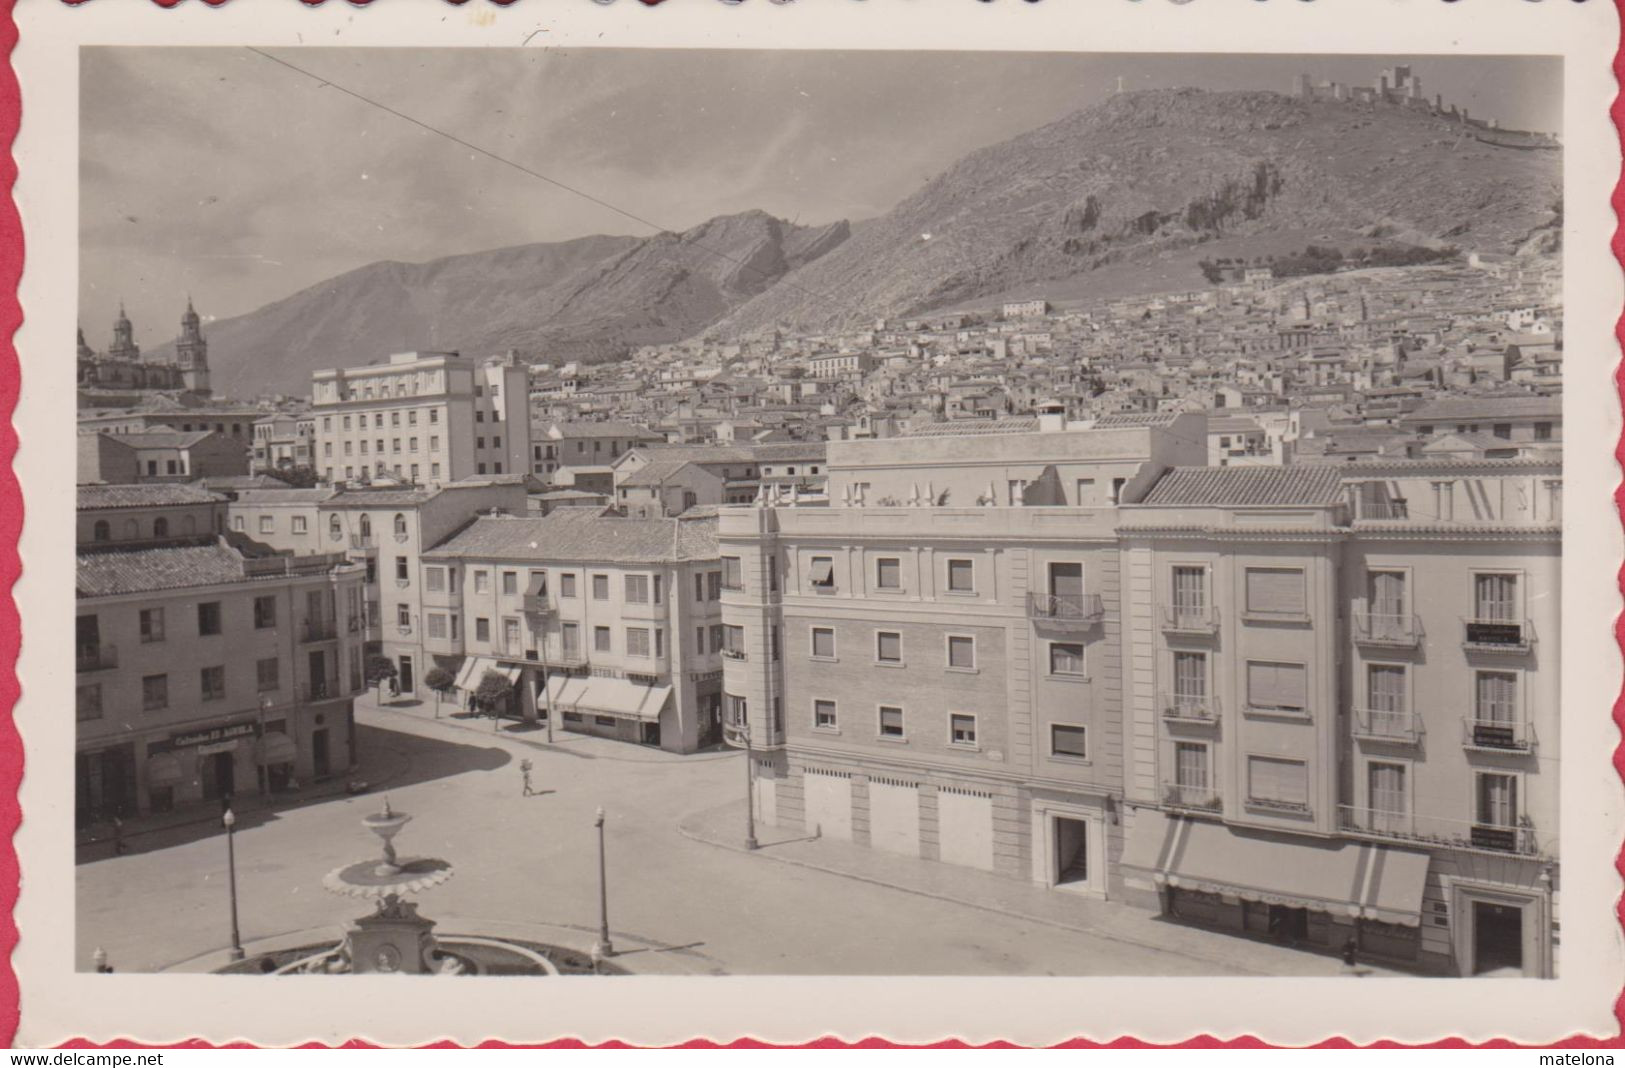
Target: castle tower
{"x": 124, "y": 346}
{"x": 192, "y": 353}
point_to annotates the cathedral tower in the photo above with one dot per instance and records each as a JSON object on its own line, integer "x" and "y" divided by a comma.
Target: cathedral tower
{"x": 192, "y": 353}
{"x": 124, "y": 346}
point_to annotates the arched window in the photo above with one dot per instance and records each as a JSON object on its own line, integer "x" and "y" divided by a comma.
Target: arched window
{"x": 160, "y": 527}
{"x": 366, "y": 525}
{"x": 335, "y": 529}
{"x": 103, "y": 532}
{"x": 400, "y": 525}
{"x": 132, "y": 529}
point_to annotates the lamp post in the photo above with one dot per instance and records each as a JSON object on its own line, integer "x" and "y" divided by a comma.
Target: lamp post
{"x": 741, "y": 730}
{"x": 602, "y": 948}
{"x": 230, "y": 820}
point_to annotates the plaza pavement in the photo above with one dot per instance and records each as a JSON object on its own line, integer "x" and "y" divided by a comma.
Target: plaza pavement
{"x": 682, "y": 889}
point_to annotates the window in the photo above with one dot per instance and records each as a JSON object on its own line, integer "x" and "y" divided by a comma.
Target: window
{"x": 888, "y": 573}
{"x": 401, "y": 573}
{"x": 961, "y": 576}
{"x": 266, "y": 673}
{"x": 1273, "y": 687}
{"x": 403, "y": 616}
{"x": 1066, "y": 658}
{"x": 1495, "y": 598}
{"x": 510, "y": 583}
{"x": 1190, "y": 592}
{"x": 637, "y": 641}
{"x": 1502, "y": 431}
{"x": 434, "y": 579}
{"x": 1190, "y": 680}
{"x": 699, "y": 641}
{"x": 961, "y": 729}
{"x": 482, "y": 629}
{"x": 103, "y": 531}
{"x": 717, "y": 637}
{"x": 1190, "y": 765}
{"x": 299, "y": 525}
{"x": 567, "y": 585}
{"x": 88, "y": 702}
{"x": 1495, "y": 698}
{"x": 212, "y": 683}
{"x": 824, "y": 715}
{"x": 600, "y": 639}
{"x": 823, "y": 643}
{"x": 1385, "y": 691}
{"x": 699, "y": 585}
{"x": 437, "y": 624}
{"x": 1543, "y": 432}
{"x": 713, "y": 584}
{"x": 152, "y": 624}
{"x": 154, "y": 692}
{"x": 1385, "y": 784}
{"x": 482, "y": 581}
{"x": 889, "y": 647}
{"x": 1497, "y": 801}
{"x": 1069, "y": 740}
{"x": 600, "y": 587}
{"x": 733, "y": 577}
{"x": 160, "y": 527}
{"x": 335, "y": 528}
{"x": 400, "y": 526}
{"x": 1276, "y": 591}
{"x": 962, "y": 652}
{"x": 822, "y": 574}
{"x": 660, "y": 641}
{"x": 208, "y": 618}
{"x": 570, "y": 638}
{"x": 1276, "y": 782}
{"x": 637, "y": 589}
{"x": 434, "y": 417}
{"x": 264, "y": 612}
{"x": 891, "y": 721}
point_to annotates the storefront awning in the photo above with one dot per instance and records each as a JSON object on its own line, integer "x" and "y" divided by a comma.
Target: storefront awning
{"x": 164, "y": 769}
{"x": 475, "y": 667}
{"x": 608, "y": 697}
{"x": 1352, "y": 878}
{"x": 276, "y": 748}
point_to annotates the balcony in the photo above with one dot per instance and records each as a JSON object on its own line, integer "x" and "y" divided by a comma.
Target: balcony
{"x": 1196, "y": 619}
{"x": 1186, "y": 797}
{"x": 1079, "y": 611}
{"x": 1497, "y": 635}
{"x": 403, "y": 583}
{"x": 319, "y": 630}
{"x": 1387, "y": 631}
{"x": 320, "y": 690}
{"x": 96, "y": 657}
{"x": 1497, "y": 736}
{"x": 1383, "y": 725}
{"x": 1519, "y": 839}
{"x": 1382, "y": 508}
{"x": 1189, "y": 708}
{"x": 535, "y": 604}
{"x": 735, "y": 654}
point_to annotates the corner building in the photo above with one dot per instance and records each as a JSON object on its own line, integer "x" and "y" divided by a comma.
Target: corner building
{"x": 1308, "y": 704}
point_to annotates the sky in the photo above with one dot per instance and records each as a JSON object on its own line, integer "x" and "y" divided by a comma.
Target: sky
{"x": 220, "y": 174}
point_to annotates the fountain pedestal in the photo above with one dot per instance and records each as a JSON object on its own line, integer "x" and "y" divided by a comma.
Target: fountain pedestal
{"x": 393, "y": 939}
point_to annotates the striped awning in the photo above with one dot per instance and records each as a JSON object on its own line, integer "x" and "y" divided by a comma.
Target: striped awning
{"x": 475, "y": 667}
{"x": 607, "y": 697}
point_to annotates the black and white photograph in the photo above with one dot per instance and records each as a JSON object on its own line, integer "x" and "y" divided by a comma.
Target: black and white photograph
{"x": 612, "y": 513}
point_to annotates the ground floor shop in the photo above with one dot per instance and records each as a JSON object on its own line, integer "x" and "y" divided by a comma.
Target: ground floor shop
{"x": 1442, "y": 911}
{"x": 213, "y": 760}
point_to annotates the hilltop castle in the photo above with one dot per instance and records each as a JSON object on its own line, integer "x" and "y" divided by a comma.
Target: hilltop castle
{"x": 122, "y": 368}
{"x": 1399, "y": 86}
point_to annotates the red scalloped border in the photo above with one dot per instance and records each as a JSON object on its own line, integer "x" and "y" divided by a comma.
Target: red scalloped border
{"x": 11, "y": 754}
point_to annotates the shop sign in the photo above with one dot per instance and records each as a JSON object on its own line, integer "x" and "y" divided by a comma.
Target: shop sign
{"x": 216, "y": 747}
{"x": 212, "y": 735}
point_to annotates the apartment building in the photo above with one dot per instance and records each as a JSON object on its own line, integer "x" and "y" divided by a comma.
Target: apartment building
{"x": 1309, "y": 703}
{"x": 556, "y": 445}
{"x": 288, "y": 519}
{"x": 202, "y": 673}
{"x": 422, "y": 417}
{"x": 612, "y": 623}
{"x": 283, "y": 441}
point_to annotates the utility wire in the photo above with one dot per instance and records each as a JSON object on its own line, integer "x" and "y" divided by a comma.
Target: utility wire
{"x": 520, "y": 167}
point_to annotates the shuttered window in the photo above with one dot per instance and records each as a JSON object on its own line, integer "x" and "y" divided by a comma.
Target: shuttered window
{"x": 1065, "y": 658}
{"x": 823, "y": 572}
{"x": 1385, "y": 683}
{"x": 1281, "y": 687}
{"x": 1387, "y": 594}
{"x": 1190, "y": 589}
{"x": 888, "y": 573}
{"x": 891, "y": 721}
{"x": 1387, "y": 785}
{"x": 1496, "y": 697}
{"x": 1190, "y": 765}
{"x": 1065, "y": 740}
{"x": 733, "y": 576}
{"x": 1276, "y": 591}
{"x": 1190, "y": 677}
{"x": 1495, "y": 597}
{"x": 961, "y": 652}
{"x": 823, "y": 642}
{"x": 961, "y": 576}
{"x": 1497, "y": 799}
{"x": 1283, "y": 781}
{"x": 889, "y": 647}
{"x": 824, "y": 714}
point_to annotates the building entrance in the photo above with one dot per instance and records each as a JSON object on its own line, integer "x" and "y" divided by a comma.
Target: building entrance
{"x": 1288, "y": 924}
{"x": 1071, "y": 851}
{"x": 219, "y": 776}
{"x": 319, "y": 759}
{"x": 407, "y": 683}
{"x": 1497, "y": 939}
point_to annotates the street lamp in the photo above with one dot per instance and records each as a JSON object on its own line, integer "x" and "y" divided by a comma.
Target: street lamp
{"x": 602, "y": 948}
{"x": 230, "y": 820}
{"x": 732, "y": 733}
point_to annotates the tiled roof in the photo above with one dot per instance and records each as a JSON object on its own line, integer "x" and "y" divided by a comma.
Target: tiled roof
{"x": 790, "y": 450}
{"x": 1300, "y": 484}
{"x": 582, "y": 535}
{"x": 103, "y": 574}
{"x": 144, "y": 495}
{"x": 700, "y": 454}
{"x": 1120, "y": 420}
{"x": 290, "y": 495}
{"x": 1487, "y": 408}
{"x": 959, "y": 427}
{"x": 161, "y": 439}
{"x": 602, "y": 430}
{"x": 656, "y": 473}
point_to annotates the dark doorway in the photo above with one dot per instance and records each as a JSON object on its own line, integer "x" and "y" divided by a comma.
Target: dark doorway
{"x": 651, "y": 734}
{"x": 1288, "y": 924}
{"x": 318, "y": 753}
{"x": 219, "y": 776}
{"x": 1066, "y": 580}
{"x": 1071, "y": 851}
{"x": 104, "y": 784}
{"x": 1497, "y": 939}
{"x": 408, "y": 684}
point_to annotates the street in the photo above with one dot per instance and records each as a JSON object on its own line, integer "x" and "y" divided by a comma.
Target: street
{"x": 534, "y": 860}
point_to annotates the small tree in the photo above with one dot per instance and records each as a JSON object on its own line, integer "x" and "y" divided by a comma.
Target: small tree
{"x": 492, "y": 694}
{"x": 380, "y": 669}
{"x": 441, "y": 682}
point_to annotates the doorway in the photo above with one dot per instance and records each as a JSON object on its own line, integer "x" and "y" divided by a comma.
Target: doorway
{"x": 1497, "y": 939}
{"x": 318, "y": 753}
{"x": 219, "y": 776}
{"x": 319, "y": 688}
{"x": 1071, "y": 851}
{"x": 1066, "y": 581}
{"x": 1288, "y": 924}
{"x": 651, "y": 734}
{"x": 407, "y": 682}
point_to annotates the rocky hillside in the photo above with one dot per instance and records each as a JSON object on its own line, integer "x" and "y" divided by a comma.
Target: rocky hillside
{"x": 1143, "y": 178}
{"x": 587, "y": 299}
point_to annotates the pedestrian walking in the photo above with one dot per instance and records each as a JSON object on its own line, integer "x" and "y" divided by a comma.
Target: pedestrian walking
{"x": 524, "y": 770}
{"x": 120, "y": 847}
{"x": 1351, "y": 957}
